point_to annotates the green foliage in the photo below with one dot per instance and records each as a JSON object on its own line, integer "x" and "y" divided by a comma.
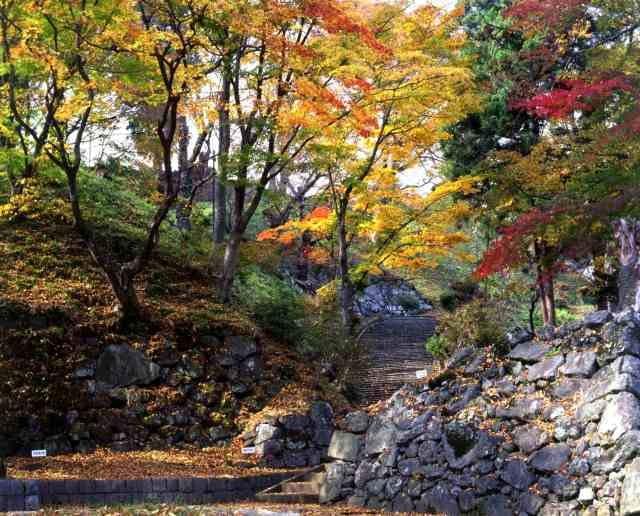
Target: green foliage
{"x": 438, "y": 346}
{"x": 276, "y": 306}
{"x": 478, "y": 323}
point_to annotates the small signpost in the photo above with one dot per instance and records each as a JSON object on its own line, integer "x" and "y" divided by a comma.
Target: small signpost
{"x": 38, "y": 453}
{"x": 421, "y": 373}
{"x": 248, "y": 450}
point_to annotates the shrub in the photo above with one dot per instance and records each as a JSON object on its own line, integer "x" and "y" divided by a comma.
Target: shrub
{"x": 477, "y": 323}
{"x": 437, "y": 345}
{"x": 276, "y": 306}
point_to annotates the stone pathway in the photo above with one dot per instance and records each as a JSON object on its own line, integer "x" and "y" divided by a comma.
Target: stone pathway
{"x": 396, "y": 350}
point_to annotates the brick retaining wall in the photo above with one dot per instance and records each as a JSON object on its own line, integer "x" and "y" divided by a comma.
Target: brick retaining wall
{"x": 30, "y": 495}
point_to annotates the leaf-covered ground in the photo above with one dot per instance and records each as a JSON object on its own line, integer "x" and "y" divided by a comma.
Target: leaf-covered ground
{"x": 48, "y": 280}
{"x": 241, "y": 509}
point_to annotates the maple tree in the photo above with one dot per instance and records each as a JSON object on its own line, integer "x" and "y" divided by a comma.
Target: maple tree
{"x": 78, "y": 55}
{"x": 396, "y": 116}
{"x": 581, "y": 166}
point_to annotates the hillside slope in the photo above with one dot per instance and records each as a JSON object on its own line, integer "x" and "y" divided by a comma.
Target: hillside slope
{"x": 211, "y": 370}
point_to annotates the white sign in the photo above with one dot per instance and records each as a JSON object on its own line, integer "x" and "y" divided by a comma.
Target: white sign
{"x": 38, "y": 453}
{"x": 249, "y": 450}
{"x": 422, "y": 373}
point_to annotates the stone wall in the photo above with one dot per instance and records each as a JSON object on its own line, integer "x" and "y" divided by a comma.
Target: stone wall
{"x": 293, "y": 440}
{"x": 127, "y": 396}
{"x": 31, "y": 495}
{"x": 552, "y": 429}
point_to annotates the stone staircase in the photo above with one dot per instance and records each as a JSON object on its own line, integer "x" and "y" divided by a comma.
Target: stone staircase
{"x": 395, "y": 352}
{"x": 303, "y": 488}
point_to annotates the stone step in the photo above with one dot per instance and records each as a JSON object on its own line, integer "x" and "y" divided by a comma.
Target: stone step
{"x": 301, "y": 488}
{"x": 287, "y": 497}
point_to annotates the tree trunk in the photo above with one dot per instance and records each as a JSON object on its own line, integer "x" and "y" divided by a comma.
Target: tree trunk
{"x": 346, "y": 286}
{"x": 125, "y": 291}
{"x": 224, "y": 138}
{"x": 627, "y": 233}
{"x": 185, "y": 180}
{"x": 547, "y": 298}
{"x": 231, "y": 255}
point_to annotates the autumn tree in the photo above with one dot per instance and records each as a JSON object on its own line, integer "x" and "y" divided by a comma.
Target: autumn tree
{"x": 82, "y": 53}
{"x": 398, "y": 109}
{"x": 270, "y": 88}
{"x": 585, "y": 167}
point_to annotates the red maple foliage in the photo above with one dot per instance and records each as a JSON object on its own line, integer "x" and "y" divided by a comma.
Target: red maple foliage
{"x": 572, "y": 95}
{"x": 335, "y": 19}
{"x": 545, "y": 13}
{"x": 509, "y": 250}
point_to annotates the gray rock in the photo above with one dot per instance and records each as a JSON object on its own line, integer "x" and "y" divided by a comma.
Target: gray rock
{"x": 518, "y": 336}
{"x": 495, "y": 505}
{"x": 321, "y": 414}
{"x": 481, "y": 446}
{"x": 85, "y": 372}
{"x": 265, "y": 432}
{"x": 331, "y": 488}
{"x": 563, "y": 487}
{"x": 559, "y": 509}
{"x": 530, "y": 351}
{"x": 531, "y": 503}
{"x": 586, "y": 495}
{"x": 610, "y": 381}
{"x": 403, "y": 503}
{"x": 367, "y": 471}
{"x": 620, "y": 339}
{"x": 441, "y": 501}
{"x": 345, "y": 446}
{"x": 408, "y": 467}
{"x": 294, "y": 423}
{"x": 580, "y": 364}
{"x": 545, "y": 370}
{"x": 241, "y": 347}
{"x": 356, "y": 422}
{"x": 621, "y": 414}
{"x": 380, "y": 436}
{"x": 376, "y": 486}
{"x": 630, "y": 499}
{"x": 119, "y": 365}
{"x": 517, "y": 474}
{"x": 567, "y": 387}
{"x": 522, "y": 409}
{"x": 590, "y": 411}
{"x": 529, "y": 438}
{"x": 596, "y": 319}
{"x": 550, "y": 458}
{"x": 393, "y": 487}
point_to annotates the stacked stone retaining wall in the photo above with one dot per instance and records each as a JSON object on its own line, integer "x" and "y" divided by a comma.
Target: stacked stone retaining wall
{"x": 551, "y": 429}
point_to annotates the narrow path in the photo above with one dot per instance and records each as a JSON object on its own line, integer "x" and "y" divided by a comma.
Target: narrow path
{"x": 396, "y": 350}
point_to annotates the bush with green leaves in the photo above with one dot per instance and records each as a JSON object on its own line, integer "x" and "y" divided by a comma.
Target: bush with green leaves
{"x": 274, "y": 304}
{"x": 478, "y": 323}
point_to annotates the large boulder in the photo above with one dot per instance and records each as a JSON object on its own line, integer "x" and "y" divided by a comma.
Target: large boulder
{"x": 530, "y": 351}
{"x": 550, "y": 458}
{"x": 120, "y": 365}
{"x": 380, "y": 437}
{"x": 580, "y": 364}
{"x": 620, "y": 415}
{"x": 390, "y": 296}
{"x": 345, "y": 446}
{"x": 546, "y": 369}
